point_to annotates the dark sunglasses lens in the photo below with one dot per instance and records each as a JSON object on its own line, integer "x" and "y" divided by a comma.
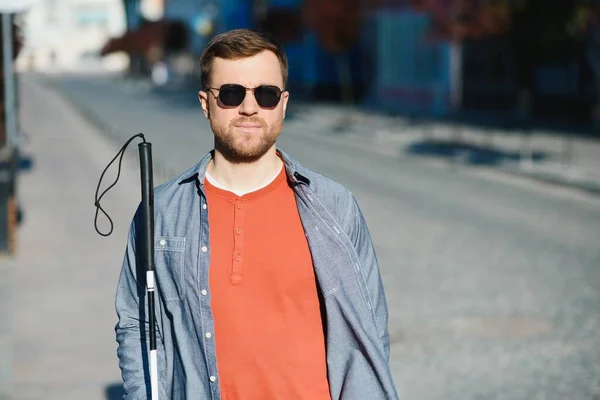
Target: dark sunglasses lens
{"x": 232, "y": 95}
{"x": 267, "y": 96}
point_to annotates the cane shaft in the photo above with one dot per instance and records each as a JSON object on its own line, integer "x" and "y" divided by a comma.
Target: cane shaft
{"x": 147, "y": 254}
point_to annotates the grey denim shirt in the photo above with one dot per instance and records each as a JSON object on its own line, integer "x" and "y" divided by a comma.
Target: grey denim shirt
{"x": 350, "y": 288}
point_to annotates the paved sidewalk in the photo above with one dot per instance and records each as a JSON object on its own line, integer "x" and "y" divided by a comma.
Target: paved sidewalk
{"x": 66, "y": 274}
{"x": 562, "y": 159}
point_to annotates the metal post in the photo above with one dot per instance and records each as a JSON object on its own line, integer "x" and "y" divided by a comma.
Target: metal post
{"x": 9, "y": 82}
{"x": 8, "y": 152}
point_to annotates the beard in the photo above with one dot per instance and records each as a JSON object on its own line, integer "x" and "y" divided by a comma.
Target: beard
{"x": 241, "y": 147}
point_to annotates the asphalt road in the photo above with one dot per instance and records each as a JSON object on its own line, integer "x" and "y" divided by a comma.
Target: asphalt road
{"x": 493, "y": 282}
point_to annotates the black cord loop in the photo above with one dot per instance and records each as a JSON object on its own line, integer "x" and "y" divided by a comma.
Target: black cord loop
{"x": 121, "y": 153}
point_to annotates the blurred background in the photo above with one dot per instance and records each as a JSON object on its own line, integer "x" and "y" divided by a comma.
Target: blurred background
{"x": 468, "y": 130}
{"x": 506, "y": 59}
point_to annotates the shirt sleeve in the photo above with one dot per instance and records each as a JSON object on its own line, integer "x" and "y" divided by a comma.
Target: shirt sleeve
{"x": 361, "y": 239}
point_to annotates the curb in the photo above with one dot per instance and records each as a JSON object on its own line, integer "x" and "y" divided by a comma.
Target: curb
{"x": 513, "y": 169}
{"x": 581, "y": 185}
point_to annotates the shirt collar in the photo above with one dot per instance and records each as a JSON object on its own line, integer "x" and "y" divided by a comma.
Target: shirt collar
{"x": 295, "y": 172}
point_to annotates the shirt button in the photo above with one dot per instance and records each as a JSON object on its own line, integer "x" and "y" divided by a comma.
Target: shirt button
{"x": 204, "y": 249}
{"x": 240, "y": 206}
{"x": 237, "y": 257}
{"x": 204, "y": 292}
{"x": 238, "y": 231}
{"x": 163, "y": 242}
{"x": 204, "y": 206}
{"x": 213, "y": 378}
{"x": 208, "y": 335}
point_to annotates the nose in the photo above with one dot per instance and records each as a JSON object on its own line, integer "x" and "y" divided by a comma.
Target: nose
{"x": 249, "y": 106}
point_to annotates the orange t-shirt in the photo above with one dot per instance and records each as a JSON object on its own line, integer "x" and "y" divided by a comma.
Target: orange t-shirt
{"x": 268, "y": 329}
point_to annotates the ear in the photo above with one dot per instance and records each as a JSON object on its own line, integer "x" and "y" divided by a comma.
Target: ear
{"x": 285, "y": 96}
{"x": 203, "y": 98}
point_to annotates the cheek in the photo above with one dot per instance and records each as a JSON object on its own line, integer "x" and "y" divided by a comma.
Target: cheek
{"x": 221, "y": 117}
{"x": 274, "y": 117}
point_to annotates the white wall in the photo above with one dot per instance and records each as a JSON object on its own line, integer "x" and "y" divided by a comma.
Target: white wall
{"x": 66, "y": 35}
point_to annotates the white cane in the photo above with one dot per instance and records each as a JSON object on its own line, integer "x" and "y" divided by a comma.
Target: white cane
{"x": 148, "y": 254}
{"x": 146, "y": 241}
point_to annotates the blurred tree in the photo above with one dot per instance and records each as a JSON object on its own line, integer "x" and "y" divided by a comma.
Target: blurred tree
{"x": 456, "y": 20}
{"x": 337, "y": 25}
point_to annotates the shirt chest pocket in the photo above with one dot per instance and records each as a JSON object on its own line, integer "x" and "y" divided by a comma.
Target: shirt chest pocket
{"x": 170, "y": 269}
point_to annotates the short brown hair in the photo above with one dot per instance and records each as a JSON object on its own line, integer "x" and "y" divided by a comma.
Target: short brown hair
{"x": 240, "y": 43}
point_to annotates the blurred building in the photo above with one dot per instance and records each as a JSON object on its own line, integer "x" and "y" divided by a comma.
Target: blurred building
{"x": 439, "y": 58}
{"x": 384, "y": 60}
{"x": 66, "y": 35}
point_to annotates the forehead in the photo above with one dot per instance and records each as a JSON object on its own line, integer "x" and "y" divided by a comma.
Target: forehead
{"x": 261, "y": 69}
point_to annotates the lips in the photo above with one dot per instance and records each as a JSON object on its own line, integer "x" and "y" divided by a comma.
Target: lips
{"x": 248, "y": 123}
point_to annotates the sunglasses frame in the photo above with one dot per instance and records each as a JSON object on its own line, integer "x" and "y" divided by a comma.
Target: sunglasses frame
{"x": 246, "y": 89}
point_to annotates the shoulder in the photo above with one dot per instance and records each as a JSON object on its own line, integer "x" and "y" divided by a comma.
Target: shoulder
{"x": 326, "y": 187}
{"x": 170, "y": 193}
{"x": 334, "y": 196}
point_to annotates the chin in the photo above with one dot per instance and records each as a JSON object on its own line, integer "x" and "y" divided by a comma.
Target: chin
{"x": 250, "y": 152}
{"x": 244, "y": 147}
{"x": 245, "y": 150}
{"x": 243, "y": 157}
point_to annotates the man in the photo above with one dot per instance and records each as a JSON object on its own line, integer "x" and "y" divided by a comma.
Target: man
{"x": 268, "y": 284}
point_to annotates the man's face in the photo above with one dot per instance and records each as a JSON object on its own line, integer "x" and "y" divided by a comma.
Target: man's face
{"x": 246, "y": 132}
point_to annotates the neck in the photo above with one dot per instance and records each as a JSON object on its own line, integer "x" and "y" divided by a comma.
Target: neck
{"x": 245, "y": 176}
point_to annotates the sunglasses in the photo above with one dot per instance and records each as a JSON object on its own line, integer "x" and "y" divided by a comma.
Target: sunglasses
{"x": 232, "y": 95}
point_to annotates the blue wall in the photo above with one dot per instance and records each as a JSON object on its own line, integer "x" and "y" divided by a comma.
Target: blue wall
{"x": 410, "y": 73}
